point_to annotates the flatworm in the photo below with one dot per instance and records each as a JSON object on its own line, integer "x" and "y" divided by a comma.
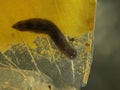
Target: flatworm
{"x": 38, "y": 25}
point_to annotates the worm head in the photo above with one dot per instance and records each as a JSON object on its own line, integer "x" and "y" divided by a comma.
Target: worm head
{"x": 34, "y": 25}
{"x": 23, "y": 25}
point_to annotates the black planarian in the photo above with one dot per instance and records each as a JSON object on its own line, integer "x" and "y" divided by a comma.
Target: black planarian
{"x": 38, "y": 25}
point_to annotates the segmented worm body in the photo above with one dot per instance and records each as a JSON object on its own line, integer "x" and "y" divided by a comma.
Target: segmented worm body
{"x": 38, "y": 25}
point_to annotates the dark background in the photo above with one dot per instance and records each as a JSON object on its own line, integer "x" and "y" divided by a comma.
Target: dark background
{"x": 105, "y": 70}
